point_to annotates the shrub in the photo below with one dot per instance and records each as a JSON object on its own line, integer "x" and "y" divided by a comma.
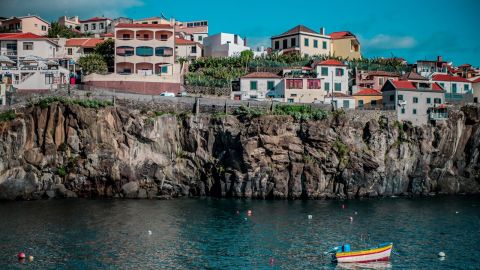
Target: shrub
{"x": 7, "y": 116}
{"x": 62, "y": 171}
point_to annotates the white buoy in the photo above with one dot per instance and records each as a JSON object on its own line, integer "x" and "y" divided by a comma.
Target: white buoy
{"x": 456, "y": 212}
{"x": 351, "y": 219}
{"x": 246, "y": 219}
{"x": 441, "y": 254}
{"x": 149, "y": 232}
{"x": 356, "y": 212}
{"x": 310, "y": 216}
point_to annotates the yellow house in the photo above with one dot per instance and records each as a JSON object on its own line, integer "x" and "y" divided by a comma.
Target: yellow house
{"x": 368, "y": 98}
{"x": 302, "y": 40}
{"x": 345, "y": 45}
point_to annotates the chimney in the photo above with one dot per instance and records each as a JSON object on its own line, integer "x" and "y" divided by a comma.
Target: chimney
{"x": 322, "y": 30}
{"x": 439, "y": 58}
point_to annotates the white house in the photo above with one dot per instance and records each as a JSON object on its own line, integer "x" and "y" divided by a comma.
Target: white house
{"x": 187, "y": 49}
{"x": 96, "y": 25}
{"x": 334, "y": 75}
{"x": 456, "y": 88}
{"x": 224, "y": 45}
{"x": 340, "y": 100}
{"x": 259, "y": 86}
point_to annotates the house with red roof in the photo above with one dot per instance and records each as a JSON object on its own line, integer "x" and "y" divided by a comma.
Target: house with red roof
{"x": 187, "y": 49}
{"x": 427, "y": 68}
{"x": 26, "y": 24}
{"x": 95, "y": 25}
{"x": 302, "y": 40}
{"x": 70, "y": 50}
{"x": 417, "y": 102}
{"x": 368, "y": 98}
{"x": 456, "y": 88}
{"x": 346, "y": 45}
{"x": 373, "y": 79}
{"x": 334, "y": 75}
{"x": 260, "y": 86}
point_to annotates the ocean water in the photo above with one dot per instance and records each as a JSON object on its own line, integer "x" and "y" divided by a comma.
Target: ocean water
{"x": 210, "y": 234}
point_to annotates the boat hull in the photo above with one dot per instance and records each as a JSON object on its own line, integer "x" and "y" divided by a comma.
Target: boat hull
{"x": 364, "y": 256}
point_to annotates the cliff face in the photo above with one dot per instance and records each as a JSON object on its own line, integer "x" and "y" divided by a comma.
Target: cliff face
{"x": 70, "y": 151}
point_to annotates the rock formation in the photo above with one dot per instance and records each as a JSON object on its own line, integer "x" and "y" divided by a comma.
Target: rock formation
{"x": 72, "y": 151}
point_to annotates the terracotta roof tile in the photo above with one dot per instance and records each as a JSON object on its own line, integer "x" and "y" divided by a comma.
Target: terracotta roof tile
{"x": 140, "y": 25}
{"x": 329, "y": 62}
{"x": 262, "y": 75}
{"x": 448, "y": 78}
{"x": 20, "y": 36}
{"x": 181, "y": 41}
{"x": 83, "y": 42}
{"x": 413, "y": 76}
{"x": 341, "y": 34}
{"x": 368, "y": 92}
{"x": 408, "y": 85}
{"x": 95, "y": 19}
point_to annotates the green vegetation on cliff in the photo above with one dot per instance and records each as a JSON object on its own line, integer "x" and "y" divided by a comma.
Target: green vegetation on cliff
{"x": 86, "y": 103}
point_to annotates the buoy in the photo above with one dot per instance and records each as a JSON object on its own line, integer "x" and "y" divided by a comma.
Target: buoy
{"x": 356, "y": 212}
{"x": 310, "y": 216}
{"x": 351, "y": 219}
{"x": 238, "y": 212}
{"x": 343, "y": 206}
{"x": 21, "y": 255}
{"x": 249, "y": 212}
{"x": 272, "y": 261}
{"x": 149, "y": 232}
{"x": 441, "y": 254}
{"x": 456, "y": 212}
{"x": 30, "y": 258}
{"x": 246, "y": 218}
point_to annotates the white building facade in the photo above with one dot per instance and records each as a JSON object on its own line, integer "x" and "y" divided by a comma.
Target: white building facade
{"x": 224, "y": 45}
{"x": 96, "y": 25}
{"x": 334, "y": 75}
{"x": 259, "y": 86}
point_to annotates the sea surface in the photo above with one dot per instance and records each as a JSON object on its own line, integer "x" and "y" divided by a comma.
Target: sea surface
{"x": 210, "y": 233}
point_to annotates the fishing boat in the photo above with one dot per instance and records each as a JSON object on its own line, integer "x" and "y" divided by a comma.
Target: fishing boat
{"x": 343, "y": 254}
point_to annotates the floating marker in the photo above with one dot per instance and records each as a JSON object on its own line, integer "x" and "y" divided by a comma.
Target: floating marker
{"x": 272, "y": 261}
{"x": 149, "y": 232}
{"x": 441, "y": 254}
{"x": 249, "y": 212}
{"x": 351, "y": 219}
{"x": 343, "y": 206}
{"x": 30, "y": 258}
{"x": 456, "y": 212}
{"x": 310, "y": 216}
{"x": 21, "y": 255}
{"x": 356, "y": 212}
{"x": 238, "y": 212}
{"x": 246, "y": 218}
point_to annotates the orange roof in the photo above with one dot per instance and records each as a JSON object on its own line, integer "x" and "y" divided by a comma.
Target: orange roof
{"x": 329, "y": 62}
{"x": 181, "y": 41}
{"x": 448, "y": 78}
{"x": 95, "y": 19}
{"x": 140, "y": 25}
{"x": 262, "y": 75}
{"x": 368, "y": 92}
{"x": 83, "y": 42}
{"x": 108, "y": 35}
{"x": 20, "y": 36}
{"x": 341, "y": 34}
{"x": 411, "y": 86}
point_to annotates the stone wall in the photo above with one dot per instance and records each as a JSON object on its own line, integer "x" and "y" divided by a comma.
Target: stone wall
{"x": 203, "y": 90}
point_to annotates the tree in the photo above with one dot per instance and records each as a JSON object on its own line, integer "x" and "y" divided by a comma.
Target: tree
{"x": 57, "y": 30}
{"x": 93, "y": 63}
{"x": 107, "y": 50}
{"x": 246, "y": 56}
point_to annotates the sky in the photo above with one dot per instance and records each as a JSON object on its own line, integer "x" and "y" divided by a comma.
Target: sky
{"x": 412, "y": 29}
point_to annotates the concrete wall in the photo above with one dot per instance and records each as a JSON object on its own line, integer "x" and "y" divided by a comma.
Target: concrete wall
{"x": 367, "y": 100}
{"x": 185, "y": 51}
{"x": 223, "y": 45}
{"x": 35, "y": 26}
{"x": 343, "y": 48}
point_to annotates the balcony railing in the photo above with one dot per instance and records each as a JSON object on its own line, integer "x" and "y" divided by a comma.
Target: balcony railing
{"x": 438, "y": 116}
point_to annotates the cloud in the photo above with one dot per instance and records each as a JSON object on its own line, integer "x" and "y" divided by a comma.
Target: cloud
{"x": 52, "y": 9}
{"x": 387, "y": 42}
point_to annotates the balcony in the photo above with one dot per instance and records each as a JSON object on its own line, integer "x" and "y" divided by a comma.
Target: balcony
{"x": 11, "y": 53}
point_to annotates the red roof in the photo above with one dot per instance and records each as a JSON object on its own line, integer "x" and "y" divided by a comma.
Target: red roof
{"x": 341, "y": 34}
{"x": 448, "y": 78}
{"x": 329, "y": 62}
{"x": 262, "y": 75}
{"x": 15, "y": 36}
{"x": 140, "y": 25}
{"x": 83, "y": 42}
{"x": 411, "y": 86}
{"x": 95, "y": 19}
{"x": 108, "y": 35}
{"x": 368, "y": 92}
{"x": 181, "y": 41}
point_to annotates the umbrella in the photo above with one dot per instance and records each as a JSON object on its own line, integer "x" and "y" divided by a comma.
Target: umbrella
{"x": 31, "y": 58}
{"x": 52, "y": 63}
{"x": 6, "y": 60}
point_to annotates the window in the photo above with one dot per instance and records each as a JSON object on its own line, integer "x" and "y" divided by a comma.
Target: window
{"x": 164, "y": 69}
{"x": 125, "y": 51}
{"x": 324, "y": 71}
{"x": 163, "y": 51}
{"x": 27, "y": 46}
{"x": 360, "y": 103}
{"x": 48, "y": 78}
{"x": 293, "y": 42}
{"x": 271, "y": 85}
{"x": 285, "y": 44}
{"x": 277, "y": 45}
{"x": 253, "y": 85}
{"x": 415, "y": 99}
{"x": 94, "y": 26}
{"x": 392, "y": 98}
{"x": 400, "y": 97}
{"x": 465, "y": 87}
{"x": 194, "y": 49}
{"x": 44, "y": 28}
{"x": 69, "y": 51}
{"x": 155, "y": 22}
{"x": 437, "y": 100}
{"x": 414, "y": 111}
{"x": 293, "y": 95}
{"x": 346, "y": 104}
{"x": 454, "y": 88}
{"x": 338, "y": 86}
{"x": 315, "y": 43}
{"x": 339, "y": 71}
{"x": 294, "y": 84}
{"x": 144, "y": 51}
{"x": 145, "y": 37}
{"x": 381, "y": 81}
{"x": 442, "y": 85}
{"x": 305, "y": 42}
{"x": 429, "y": 100}
{"x": 324, "y": 45}
{"x": 163, "y": 37}
{"x": 327, "y": 86}
{"x": 200, "y": 38}
{"x": 402, "y": 110}
{"x": 101, "y": 25}
{"x": 85, "y": 27}
{"x": 290, "y": 100}
{"x": 373, "y": 103}
{"x": 313, "y": 83}
{"x": 126, "y": 36}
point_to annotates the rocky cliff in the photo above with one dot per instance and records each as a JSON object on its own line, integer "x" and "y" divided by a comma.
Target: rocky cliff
{"x": 71, "y": 151}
